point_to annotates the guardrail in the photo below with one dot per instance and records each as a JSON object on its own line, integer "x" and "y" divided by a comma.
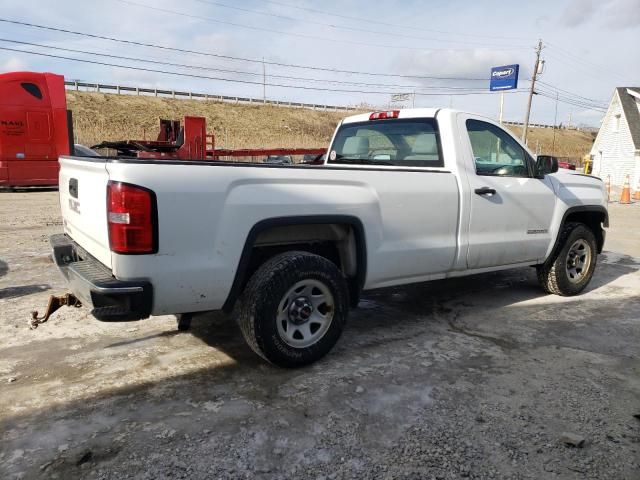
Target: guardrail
{"x": 120, "y": 89}
{"x": 545, "y": 125}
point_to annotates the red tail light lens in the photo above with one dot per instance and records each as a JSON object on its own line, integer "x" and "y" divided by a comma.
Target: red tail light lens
{"x": 383, "y": 115}
{"x": 132, "y": 219}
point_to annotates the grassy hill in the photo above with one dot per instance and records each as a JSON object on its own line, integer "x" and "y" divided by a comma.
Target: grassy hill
{"x": 99, "y": 116}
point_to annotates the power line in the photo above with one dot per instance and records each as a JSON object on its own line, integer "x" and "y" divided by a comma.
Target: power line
{"x": 571, "y": 93}
{"x": 584, "y": 67}
{"x": 387, "y": 24}
{"x": 246, "y": 82}
{"x": 575, "y": 58}
{"x": 240, "y": 59}
{"x": 343, "y": 27}
{"x": 280, "y": 32}
{"x": 570, "y": 101}
{"x": 200, "y": 67}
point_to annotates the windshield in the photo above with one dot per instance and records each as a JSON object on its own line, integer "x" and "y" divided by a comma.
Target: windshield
{"x": 403, "y": 142}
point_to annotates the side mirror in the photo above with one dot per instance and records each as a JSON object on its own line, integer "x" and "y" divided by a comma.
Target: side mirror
{"x": 546, "y": 164}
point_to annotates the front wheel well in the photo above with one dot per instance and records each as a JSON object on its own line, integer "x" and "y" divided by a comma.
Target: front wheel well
{"x": 594, "y": 219}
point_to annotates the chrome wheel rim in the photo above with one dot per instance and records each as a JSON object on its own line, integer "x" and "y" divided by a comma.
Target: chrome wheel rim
{"x": 305, "y": 313}
{"x": 578, "y": 261}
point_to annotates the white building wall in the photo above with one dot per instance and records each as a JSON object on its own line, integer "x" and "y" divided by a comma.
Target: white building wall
{"x": 613, "y": 151}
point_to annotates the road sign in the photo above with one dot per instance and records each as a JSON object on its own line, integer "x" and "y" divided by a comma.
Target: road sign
{"x": 400, "y": 97}
{"x": 504, "y": 78}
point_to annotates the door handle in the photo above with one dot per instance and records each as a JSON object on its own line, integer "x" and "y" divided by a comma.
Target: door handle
{"x": 485, "y": 191}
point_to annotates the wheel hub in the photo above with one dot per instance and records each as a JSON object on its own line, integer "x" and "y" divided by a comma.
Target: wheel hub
{"x": 305, "y": 313}
{"x": 300, "y": 310}
{"x": 578, "y": 260}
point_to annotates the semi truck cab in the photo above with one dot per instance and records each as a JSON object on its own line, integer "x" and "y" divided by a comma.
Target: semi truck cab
{"x": 35, "y": 128}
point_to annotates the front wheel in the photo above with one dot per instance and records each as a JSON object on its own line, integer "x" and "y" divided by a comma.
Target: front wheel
{"x": 570, "y": 267}
{"x": 293, "y": 309}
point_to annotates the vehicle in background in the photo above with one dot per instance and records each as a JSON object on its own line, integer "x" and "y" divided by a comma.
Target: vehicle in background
{"x": 35, "y": 128}
{"x": 561, "y": 164}
{"x": 279, "y": 159}
{"x": 404, "y": 196}
{"x": 82, "y": 151}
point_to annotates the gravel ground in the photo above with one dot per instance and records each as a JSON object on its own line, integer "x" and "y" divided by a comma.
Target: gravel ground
{"x": 468, "y": 378}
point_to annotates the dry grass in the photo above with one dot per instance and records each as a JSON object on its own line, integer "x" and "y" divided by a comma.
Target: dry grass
{"x": 99, "y": 116}
{"x": 568, "y": 143}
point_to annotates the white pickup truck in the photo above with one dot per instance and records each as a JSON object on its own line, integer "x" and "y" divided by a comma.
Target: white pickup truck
{"x": 403, "y": 196}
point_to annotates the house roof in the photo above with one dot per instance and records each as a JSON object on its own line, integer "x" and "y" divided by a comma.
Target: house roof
{"x": 631, "y": 112}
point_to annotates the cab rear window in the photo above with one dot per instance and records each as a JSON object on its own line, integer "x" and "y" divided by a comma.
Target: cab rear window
{"x": 398, "y": 142}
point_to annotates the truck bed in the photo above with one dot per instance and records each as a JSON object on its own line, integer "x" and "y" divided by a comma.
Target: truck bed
{"x": 199, "y": 205}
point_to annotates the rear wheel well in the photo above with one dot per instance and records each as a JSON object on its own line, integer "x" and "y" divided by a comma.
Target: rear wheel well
{"x": 594, "y": 219}
{"x": 342, "y": 243}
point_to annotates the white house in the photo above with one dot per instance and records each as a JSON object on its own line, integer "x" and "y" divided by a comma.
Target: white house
{"x": 616, "y": 150}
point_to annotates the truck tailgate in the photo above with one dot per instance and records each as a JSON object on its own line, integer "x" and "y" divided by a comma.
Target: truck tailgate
{"x": 83, "y": 201}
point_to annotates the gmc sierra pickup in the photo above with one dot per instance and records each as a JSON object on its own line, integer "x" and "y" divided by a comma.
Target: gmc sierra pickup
{"x": 403, "y": 196}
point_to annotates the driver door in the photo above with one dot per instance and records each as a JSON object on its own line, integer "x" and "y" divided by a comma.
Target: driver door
{"x": 511, "y": 210}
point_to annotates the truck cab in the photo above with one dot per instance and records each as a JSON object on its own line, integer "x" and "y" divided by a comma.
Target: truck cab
{"x": 34, "y": 128}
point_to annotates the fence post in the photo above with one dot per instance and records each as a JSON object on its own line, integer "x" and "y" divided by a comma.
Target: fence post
{"x": 137, "y": 91}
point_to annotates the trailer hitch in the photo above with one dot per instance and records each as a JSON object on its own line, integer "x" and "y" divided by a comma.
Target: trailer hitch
{"x": 54, "y": 304}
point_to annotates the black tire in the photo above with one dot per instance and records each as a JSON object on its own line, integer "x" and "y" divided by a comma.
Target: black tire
{"x": 257, "y": 308}
{"x": 554, "y": 275}
{"x": 184, "y": 321}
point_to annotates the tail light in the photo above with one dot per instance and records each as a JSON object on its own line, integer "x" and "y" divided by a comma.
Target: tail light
{"x": 383, "y": 115}
{"x": 132, "y": 219}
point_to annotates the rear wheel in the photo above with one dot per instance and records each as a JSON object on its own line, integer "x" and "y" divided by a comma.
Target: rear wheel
{"x": 570, "y": 267}
{"x": 293, "y": 309}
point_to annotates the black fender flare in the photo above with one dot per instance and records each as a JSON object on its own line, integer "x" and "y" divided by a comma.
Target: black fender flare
{"x": 241, "y": 276}
{"x": 580, "y": 209}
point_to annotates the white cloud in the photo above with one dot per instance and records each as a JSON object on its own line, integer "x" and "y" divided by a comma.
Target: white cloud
{"x": 618, "y": 14}
{"x": 623, "y": 13}
{"x": 578, "y": 12}
{"x": 13, "y": 64}
{"x": 474, "y": 63}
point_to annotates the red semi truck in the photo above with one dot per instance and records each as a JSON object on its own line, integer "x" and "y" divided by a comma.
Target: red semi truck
{"x": 35, "y": 128}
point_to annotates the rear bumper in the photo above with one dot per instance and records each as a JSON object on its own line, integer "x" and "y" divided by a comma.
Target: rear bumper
{"x": 112, "y": 300}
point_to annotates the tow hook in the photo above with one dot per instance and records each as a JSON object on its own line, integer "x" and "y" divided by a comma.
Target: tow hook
{"x": 54, "y": 304}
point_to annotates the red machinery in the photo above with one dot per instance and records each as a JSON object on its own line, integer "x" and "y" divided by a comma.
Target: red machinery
{"x": 191, "y": 142}
{"x": 34, "y": 128}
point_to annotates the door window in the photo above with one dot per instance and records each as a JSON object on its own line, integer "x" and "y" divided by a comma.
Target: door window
{"x": 495, "y": 152}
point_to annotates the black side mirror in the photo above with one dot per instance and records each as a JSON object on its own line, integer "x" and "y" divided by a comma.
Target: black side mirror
{"x": 546, "y": 164}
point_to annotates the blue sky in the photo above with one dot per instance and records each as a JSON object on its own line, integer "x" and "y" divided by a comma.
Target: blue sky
{"x": 590, "y": 48}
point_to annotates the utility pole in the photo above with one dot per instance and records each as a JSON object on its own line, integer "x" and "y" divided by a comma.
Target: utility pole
{"x": 531, "y": 92}
{"x": 555, "y": 120}
{"x": 264, "y": 82}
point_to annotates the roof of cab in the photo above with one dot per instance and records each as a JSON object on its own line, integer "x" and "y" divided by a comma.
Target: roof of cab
{"x": 404, "y": 113}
